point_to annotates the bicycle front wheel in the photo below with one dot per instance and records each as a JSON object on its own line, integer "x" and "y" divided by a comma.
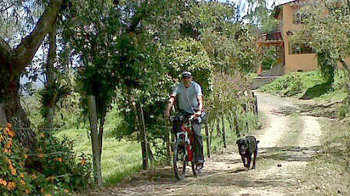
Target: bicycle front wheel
{"x": 180, "y": 159}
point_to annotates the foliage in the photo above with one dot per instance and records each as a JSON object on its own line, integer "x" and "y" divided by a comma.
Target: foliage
{"x": 230, "y": 45}
{"x": 309, "y": 85}
{"x": 44, "y": 171}
{"x": 328, "y": 34}
{"x": 58, "y": 163}
{"x": 14, "y": 179}
{"x": 189, "y": 55}
{"x": 287, "y": 85}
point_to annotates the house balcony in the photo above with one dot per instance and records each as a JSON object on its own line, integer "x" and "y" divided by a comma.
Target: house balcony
{"x": 274, "y": 38}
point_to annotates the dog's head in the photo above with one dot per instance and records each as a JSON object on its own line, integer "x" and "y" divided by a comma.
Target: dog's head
{"x": 243, "y": 145}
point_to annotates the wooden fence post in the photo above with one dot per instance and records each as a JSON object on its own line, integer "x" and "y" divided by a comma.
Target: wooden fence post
{"x": 143, "y": 133}
{"x": 168, "y": 144}
{"x": 208, "y": 138}
{"x": 223, "y": 131}
{"x": 218, "y": 127}
{"x": 235, "y": 120}
{"x": 96, "y": 155}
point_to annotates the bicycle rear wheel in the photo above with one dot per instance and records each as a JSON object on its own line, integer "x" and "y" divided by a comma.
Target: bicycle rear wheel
{"x": 180, "y": 159}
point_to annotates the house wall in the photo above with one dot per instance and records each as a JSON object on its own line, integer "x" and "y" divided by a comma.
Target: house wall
{"x": 294, "y": 62}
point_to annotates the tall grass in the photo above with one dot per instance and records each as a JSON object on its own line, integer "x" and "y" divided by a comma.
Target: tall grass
{"x": 308, "y": 85}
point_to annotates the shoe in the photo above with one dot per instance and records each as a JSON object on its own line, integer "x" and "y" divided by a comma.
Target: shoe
{"x": 200, "y": 164}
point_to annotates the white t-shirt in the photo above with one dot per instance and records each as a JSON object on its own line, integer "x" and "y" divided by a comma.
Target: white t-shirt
{"x": 187, "y": 97}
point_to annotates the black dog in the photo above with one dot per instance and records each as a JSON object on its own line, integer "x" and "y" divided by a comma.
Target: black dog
{"x": 246, "y": 147}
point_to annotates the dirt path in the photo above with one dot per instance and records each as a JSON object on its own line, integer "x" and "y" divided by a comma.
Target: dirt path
{"x": 279, "y": 164}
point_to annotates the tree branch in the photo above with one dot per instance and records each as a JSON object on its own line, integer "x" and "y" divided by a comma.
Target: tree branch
{"x": 25, "y": 52}
{"x": 5, "y": 50}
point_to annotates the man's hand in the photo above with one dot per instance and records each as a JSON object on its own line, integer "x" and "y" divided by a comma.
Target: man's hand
{"x": 197, "y": 114}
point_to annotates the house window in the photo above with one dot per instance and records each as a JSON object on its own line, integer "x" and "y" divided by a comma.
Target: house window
{"x": 300, "y": 49}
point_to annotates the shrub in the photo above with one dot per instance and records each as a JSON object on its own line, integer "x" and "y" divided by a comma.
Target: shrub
{"x": 51, "y": 168}
{"x": 14, "y": 179}
{"x": 288, "y": 85}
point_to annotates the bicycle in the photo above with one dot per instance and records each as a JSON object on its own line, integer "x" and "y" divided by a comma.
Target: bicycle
{"x": 184, "y": 150}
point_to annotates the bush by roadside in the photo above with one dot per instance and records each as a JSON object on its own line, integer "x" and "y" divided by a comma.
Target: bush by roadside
{"x": 308, "y": 85}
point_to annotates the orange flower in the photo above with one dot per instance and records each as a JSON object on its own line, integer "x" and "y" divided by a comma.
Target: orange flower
{"x": 13, "y": 171}
{"x": 83, "y": 161}
{"x": 41, "y": 155}
{"x": 59, "y": 159}
{"x": 11, "y": 185}
{"x": 33, "y": 176}
{"x": 27, "y": 191}
{"x": 21, "y": 175}
{"x": 8, "y": 151}
{"x": 26, "y": 156}
{"x": 48, "y": 194}
{"x": 42, "y": 135}
{"x": 66, "y": 191}
{"x": 8, "y": 144}
{"x": 11, "y": 133}
{"x": 9, "y": 125}
{"x": 22, "y": 182}
{"x": 3, "y": 182}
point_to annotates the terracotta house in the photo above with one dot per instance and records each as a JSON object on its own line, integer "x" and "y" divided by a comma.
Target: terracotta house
{"x": 291, "y": 57}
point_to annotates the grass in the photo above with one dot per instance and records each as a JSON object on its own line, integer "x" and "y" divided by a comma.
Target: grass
{"x": 329, "y": 173}
{"x": 119, "y": 158}
{"x": 307, "y": 85}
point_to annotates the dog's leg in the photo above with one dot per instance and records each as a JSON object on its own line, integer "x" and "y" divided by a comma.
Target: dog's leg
{"x": 254, "y": 158}
{"x": 249, "y": 157}
{"x": 243, "y": 160}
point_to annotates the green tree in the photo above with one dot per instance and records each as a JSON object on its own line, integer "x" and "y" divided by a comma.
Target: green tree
{"x": 325, "y": 28}
{"x": 14, "y": 60}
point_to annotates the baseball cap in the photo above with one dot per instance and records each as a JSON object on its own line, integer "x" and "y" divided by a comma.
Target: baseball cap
{"x": 186, "y": 74}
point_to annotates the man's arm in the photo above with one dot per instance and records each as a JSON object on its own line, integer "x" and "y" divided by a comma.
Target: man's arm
{"x": 200, "y": 105}
{"x": 170, "y": 104}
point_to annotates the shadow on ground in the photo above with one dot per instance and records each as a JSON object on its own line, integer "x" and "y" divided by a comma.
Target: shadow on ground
{"x": 317, "y": 90}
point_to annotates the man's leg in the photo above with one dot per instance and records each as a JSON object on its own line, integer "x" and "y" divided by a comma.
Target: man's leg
{"x": 198, "y": 142}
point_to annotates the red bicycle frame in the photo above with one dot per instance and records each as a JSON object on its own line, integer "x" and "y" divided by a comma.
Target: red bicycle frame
{"x": 190, "y": 148}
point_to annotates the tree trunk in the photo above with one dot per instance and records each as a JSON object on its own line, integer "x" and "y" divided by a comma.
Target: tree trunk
{"x": 13, "y": 63}
{"x": 51, "y": 98}
{"x": 3, "y": 119}
{"x": 96, "y": 148}
{"x": 16, "y": 115}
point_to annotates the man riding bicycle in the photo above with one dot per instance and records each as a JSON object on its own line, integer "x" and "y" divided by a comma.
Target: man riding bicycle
{"x": 190, "y": 101}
